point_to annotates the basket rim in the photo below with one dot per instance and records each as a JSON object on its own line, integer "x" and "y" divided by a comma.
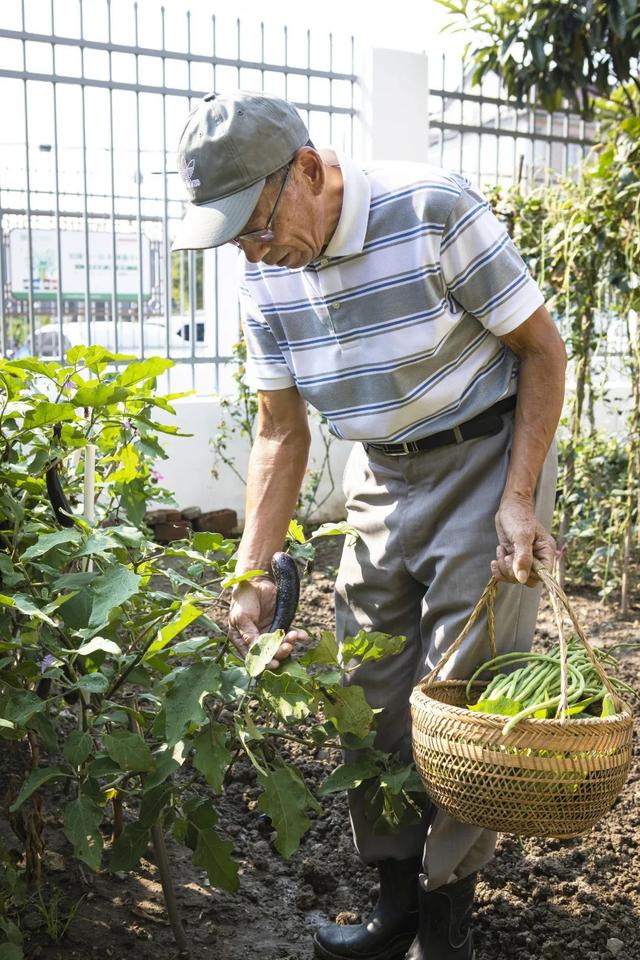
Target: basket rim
{"x": 418, "y": 695}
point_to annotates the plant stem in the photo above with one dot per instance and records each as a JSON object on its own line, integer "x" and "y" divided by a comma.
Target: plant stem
{"x": 162, "y": 863}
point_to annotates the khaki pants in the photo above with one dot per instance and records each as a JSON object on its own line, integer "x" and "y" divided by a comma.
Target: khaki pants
{"x": 427, "y": 536}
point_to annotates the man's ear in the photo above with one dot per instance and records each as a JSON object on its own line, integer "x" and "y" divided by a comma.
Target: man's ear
{"x": 310, "y": 167}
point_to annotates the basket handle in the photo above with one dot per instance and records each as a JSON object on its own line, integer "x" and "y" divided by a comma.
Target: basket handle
{"x": 557, "y": 596}
{"x": 487, "y": 599}
{"x": 556, "y": 592}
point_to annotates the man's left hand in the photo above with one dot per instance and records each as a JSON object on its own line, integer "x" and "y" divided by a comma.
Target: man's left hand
{"x": 520, "y": 539}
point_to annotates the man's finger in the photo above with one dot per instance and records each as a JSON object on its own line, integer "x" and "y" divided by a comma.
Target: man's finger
{"x": 522, "y": 560}
{"x": 246, "y": 628}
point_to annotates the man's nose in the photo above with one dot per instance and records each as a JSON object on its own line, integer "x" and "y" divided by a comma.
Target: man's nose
{"x": 254, "y": 252}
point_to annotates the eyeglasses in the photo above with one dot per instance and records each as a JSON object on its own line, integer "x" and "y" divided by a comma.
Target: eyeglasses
{"x": 264, "y": 235}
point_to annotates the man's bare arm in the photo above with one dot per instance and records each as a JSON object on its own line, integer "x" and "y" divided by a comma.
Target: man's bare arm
{"x": 543, "y": 361}
{"x": 276, "y": 469}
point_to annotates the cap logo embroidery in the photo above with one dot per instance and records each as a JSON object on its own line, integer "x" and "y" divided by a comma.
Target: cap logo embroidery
{"x": 187, "y": 175}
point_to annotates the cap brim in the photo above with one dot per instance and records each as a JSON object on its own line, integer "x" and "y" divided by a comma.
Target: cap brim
{"x": 212, "y": 224}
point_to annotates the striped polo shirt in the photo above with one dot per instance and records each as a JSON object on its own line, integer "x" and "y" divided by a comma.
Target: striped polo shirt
{"x": 392, "y": 333}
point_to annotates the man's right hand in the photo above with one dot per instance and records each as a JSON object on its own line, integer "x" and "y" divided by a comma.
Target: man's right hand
{"x": 253, "y": 604}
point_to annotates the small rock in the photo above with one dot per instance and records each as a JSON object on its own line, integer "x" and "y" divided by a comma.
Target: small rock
{"x": 306, "y": 897}
{"x": 551, "y": 950}
{"x": 347, "y": 917}
{"x": 614, "y": 946}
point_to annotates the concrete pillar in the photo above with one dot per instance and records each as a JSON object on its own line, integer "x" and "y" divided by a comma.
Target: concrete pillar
{"x": 395, "y": 99}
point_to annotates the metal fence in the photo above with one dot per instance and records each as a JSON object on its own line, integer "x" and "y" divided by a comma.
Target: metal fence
{"x": 92, "y": 109}
{"x": 482, "y": 132}
{"x": 95, "y": 104}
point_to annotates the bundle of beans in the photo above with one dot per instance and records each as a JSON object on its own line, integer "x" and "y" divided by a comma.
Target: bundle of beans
{"x": 533, "y": 689}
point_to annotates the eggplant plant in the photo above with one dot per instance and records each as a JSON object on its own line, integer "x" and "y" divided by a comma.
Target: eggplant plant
{"x": 118, "y": 686}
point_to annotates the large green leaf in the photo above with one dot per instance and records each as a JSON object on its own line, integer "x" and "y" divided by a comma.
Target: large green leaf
{"x": 21, "y": 705}
{"x": 82, "y": 818}
{"x": 8, "y": 574}
{"x": 45, "y": 413}
{"x": 286, "y": 696}
{"x": 350, "y": 775}
{"x": 129, "y": 468}
{"x": 501, "y": 706}
{"x": 165, "y": 761}
{"x": 214, "y": 856}
{"x": 95, "y": 357}
{"x": 95, "y": 682}
{"x": 262, "y": 651}
{"x": 48, "y": 541}
{"x": 143, "y": 369}
{"x": 96, "y": 394}
{"x": 154, "y": 802}
{"x": 342, "y": 528}
{"x": 349, "y": 710}
{"x": 77, "y": 747}
{"x": 325, "y": 650}
{"x": 99, "y": 643}
{"x": 117, "y": 584}
{"x": 211, "y": 756}
{"x": 370, "y": 646}
{"x": 185, "y": 616}
{"x": 128, "y": 750}
{"x": 130, "y": 846}
{"x": 285, "y": 799}
{"x": 42, "y": 725}
{"x": 25, "y": 606}
{"x": 34, "y": 781}
{"x": 183, "y": 701}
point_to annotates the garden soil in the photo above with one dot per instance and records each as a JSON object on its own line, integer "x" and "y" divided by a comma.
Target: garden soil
{"x": 538, "y": 900}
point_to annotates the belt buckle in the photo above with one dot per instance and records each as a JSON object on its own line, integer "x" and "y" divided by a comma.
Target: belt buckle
{"x": 407, "y": 448}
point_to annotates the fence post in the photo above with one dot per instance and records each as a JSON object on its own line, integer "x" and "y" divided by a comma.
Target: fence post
{"x": 395, "y": 106}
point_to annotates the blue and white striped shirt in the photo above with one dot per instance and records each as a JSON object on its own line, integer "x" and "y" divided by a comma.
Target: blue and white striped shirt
{"x": 393, "y": 332}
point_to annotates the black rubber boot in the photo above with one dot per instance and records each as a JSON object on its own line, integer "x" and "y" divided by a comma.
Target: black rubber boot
{"x": 389, "y": 931}
{"x": 445, "y": 922}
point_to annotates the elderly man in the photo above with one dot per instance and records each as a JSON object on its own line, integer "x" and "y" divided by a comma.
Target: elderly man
{"x": 391, "y": 299}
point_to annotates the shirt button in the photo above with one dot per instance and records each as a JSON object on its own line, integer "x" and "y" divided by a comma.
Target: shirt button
{"x": 322, "y": 263}
{"x": 336, "y": 305}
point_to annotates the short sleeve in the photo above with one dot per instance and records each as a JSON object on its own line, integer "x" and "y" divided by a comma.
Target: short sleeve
{"x": 266, "y": 367}
{"x": 481, "y": 268}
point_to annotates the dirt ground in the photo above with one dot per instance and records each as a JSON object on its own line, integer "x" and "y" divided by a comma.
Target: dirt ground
{"x": 538, "y": 900}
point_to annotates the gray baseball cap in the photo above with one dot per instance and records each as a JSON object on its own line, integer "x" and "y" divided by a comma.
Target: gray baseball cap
{"x": 229, "y": 146}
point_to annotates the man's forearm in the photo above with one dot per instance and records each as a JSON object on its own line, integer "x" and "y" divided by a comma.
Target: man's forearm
{"x": 540, "y": 398}
{"x": 275, "y": 475}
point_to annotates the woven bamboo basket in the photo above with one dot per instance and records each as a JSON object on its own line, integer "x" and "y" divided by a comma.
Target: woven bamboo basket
{"x": 545, "y": 778}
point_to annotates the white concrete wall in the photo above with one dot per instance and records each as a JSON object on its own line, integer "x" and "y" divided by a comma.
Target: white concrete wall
{"x": 191, "y": 460}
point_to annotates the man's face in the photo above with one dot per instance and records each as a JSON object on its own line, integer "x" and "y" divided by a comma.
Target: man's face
{"x": 298, "y": 225}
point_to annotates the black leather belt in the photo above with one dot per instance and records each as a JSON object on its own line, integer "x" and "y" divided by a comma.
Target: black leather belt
{"x": 486, "y": 424}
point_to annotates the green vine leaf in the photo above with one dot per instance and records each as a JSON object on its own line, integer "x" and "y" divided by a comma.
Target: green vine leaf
{"x": 214, "y": 855}
{"x": 34, "y": 781}
{"x": 110, "y": 590}
{"x": 78, "y": 746}
{"x": 130, "y": 846}
{"x": 128, "y": 750}
{"x": 285, "y": 799}
{"x": 262, "y": 651}
{"x": 349, "y": 710}
{"x": 183, "y": 702}
{"x": 82, "y": 818}
{"x": 348, "y": 776}
{"x": 211, "y": 756}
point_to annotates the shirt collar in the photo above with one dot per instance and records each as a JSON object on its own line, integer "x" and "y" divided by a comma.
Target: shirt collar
{"x": 348, "y": 237}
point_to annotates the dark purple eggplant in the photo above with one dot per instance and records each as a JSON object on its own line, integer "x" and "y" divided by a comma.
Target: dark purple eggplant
{"x": 57, "y": 497}
{"x": 285, "y": 574}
